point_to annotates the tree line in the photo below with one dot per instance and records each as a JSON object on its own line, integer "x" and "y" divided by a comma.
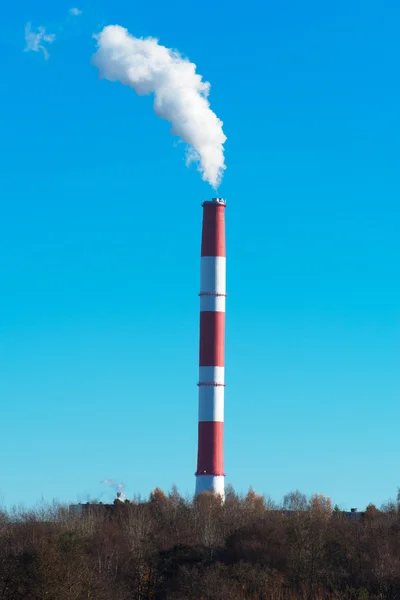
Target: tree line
{"x": 172, "y": 548}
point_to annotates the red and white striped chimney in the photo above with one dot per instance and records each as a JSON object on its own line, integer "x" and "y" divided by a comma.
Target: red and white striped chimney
{"x": 210, "y": 458}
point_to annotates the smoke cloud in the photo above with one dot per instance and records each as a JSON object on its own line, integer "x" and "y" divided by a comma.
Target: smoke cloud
{"x": 75, "y": 12}
{"x": 180, "y": 94}
{"x": 35, "y": 41}
{"x": 117, "y": 486}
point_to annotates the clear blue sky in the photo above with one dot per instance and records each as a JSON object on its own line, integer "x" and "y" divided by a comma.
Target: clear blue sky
{"x": 100, "y": 240}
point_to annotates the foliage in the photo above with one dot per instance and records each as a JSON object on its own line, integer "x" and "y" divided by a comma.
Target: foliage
{"x": 171, "y": 548}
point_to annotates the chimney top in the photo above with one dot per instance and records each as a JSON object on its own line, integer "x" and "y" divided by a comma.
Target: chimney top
{"x": 215, "y": 201}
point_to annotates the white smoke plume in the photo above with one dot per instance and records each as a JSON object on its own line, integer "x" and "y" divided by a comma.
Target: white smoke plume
{"x": 117, "y": 486}
{"x": 35, "y": 41}
{"x": 180, "y": 94}
{"x": 111, "y": 482}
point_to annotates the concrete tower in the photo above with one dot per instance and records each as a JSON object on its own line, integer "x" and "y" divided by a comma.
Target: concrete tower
{"x": 210, "y": 459}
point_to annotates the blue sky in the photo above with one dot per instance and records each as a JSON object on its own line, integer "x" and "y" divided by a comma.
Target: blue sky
{"x": 100, "y": 241}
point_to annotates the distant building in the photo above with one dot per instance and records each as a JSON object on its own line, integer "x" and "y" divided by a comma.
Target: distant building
{"x": 354, "y": 514}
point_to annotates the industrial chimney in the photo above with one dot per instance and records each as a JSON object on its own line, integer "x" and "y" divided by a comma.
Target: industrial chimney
{"x": 210, "y": 459}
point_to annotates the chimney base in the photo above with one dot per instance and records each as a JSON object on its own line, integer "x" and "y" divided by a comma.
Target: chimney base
{"x": 212, "y": 484}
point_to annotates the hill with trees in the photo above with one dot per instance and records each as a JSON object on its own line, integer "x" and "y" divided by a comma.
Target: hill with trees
{"x": 170, "y": 548}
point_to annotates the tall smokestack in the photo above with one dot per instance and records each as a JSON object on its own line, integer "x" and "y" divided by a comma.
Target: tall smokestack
{"x": 210, "y": 459}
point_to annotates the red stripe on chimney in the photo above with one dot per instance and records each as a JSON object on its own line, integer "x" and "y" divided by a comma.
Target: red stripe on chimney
{"x": 210, "y": 458}
{"x": 213, "y": 234}
{"x": 212, "y": 339}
